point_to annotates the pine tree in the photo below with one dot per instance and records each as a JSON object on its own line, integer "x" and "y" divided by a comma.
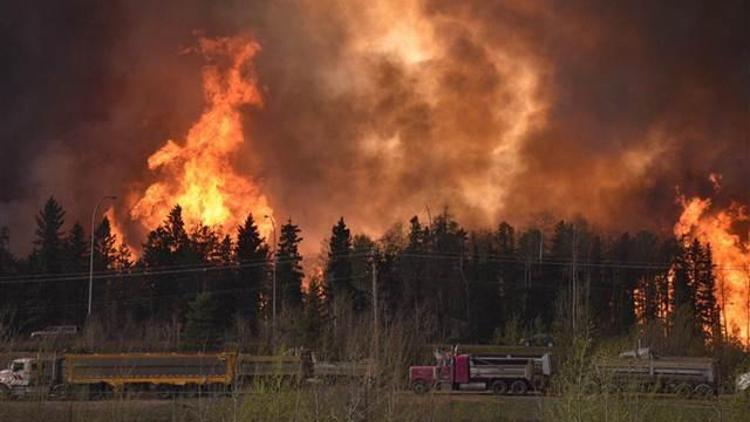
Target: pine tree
{"x": 48, "y": 257}
{"x": 168, "y": 246}
{"x": 12, "y": 295}
{"x": 203, "y": 328}
{"x": 364, "y": 251}
{"x": 314, "y": 313}
{"x": 509, "y": 288}
{"x": 536, "y": 296}
{"x": 412, "y": 269}
{"x": 289, "y": 274}
{"x": 339, "y": 267}
{"x": 251, "y": 254}
{"x": 105, "y": 251}
{"x": 683, "y": 296}
{"x": 623, "y": 283}
{"x": 106, "y": 293}
{"x": 77, "y": 248}
{"x": 123, "y": 257}
{"x": 76, "y": 261}
{"x": 449, "y": 288}
{"x": 707, "y": 308}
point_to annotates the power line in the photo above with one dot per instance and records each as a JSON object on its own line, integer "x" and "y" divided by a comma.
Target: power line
{"x": 207, "y": 267}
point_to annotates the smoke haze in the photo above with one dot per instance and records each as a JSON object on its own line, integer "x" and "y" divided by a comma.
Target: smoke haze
{"x": 375, "y": 110}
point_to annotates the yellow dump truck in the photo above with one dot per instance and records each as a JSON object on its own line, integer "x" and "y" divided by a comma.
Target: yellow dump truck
{"x": 160, "y": 374}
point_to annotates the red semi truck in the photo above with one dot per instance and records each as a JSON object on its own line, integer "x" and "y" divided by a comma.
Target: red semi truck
{"x": 502, "y": 374}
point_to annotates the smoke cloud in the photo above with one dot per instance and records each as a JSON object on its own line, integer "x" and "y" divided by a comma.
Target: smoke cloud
{"x": 376, "y": 110}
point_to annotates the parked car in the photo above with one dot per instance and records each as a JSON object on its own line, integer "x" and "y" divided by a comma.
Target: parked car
{"x": 55, "y": 331}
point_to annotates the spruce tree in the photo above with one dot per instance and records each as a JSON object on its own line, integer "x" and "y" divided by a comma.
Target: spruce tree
{"x": 683, "y": 296}
{"x": 76, "y": 261}
{"x": 364, "y": 251}
{"x": 105, "y": 251}
{"x": 289, "y": 274}
{"x": 339, "y": 267}
{"x": 48, "y": 257}
{"x": 412, "y": 268}
{"x": 251, "y": 254}
{"x": 314, "y": 313}
{"x": 106, "y": 294}
{"x": 707, "y": 308}
{"x": 203, "y": 328}
{"x": 49, "y": 254}
{"x": 168, "y": 246}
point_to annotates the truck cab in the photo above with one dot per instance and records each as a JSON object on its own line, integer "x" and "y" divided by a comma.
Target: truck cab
{"x": 18, "y": 376}
{"x": 25, "y": 376}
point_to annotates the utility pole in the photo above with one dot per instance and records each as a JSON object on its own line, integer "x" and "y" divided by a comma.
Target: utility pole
{"x": 91, "y": 251}
{"x": 375, "y": 325}
{"x": 574, "y": 280}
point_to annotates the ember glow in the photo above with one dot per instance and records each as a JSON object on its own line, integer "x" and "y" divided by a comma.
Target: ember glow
{"x": 730, "y": 255}
{"x": 199, "y": 175}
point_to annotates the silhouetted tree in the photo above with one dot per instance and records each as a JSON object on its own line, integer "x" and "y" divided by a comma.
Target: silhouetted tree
{"x": 251, "y": 254}
{"x": 289, "y": 274}
{"x": 312, "y": 323}
{"x": 48, "y": 257}
{"x": 339, "y": 267}
{"x": 48, "y": 252}
{"x": 203, "y": 328}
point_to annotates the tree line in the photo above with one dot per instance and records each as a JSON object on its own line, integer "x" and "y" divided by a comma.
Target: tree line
{"x": 481, "y": 286}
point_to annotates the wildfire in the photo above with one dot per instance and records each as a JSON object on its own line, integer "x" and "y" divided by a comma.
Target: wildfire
{"x": 199, "y": 175}
{"x": 730, "y": 255}
{"x": 114, "y": 225}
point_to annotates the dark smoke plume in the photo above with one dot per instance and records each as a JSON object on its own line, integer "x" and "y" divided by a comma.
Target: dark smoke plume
{"x": 376, "y": 109}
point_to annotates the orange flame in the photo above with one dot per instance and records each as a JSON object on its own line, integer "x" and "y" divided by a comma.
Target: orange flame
{"x": 114, "y": 225}
{"x": 199, "y": 175}
{"x": 730, "y": 255}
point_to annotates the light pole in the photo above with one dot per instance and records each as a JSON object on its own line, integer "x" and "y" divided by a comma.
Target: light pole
{"x": 273, "y": 282}
{"x": 91, "y": 252}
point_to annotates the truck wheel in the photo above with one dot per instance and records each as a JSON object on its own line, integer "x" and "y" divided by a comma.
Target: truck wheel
{"x": 164, "y": 391}
{"x": 499, "y": 387}
{"x": 683, "y": 390}
{"x": 58, "y": 392}
{"x": 519, "y": 388}
{"x": 703, "y": 391}
{"x": 420, "y": 387}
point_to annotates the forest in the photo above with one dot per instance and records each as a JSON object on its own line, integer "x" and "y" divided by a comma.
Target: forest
{"x": 451, "y": 285}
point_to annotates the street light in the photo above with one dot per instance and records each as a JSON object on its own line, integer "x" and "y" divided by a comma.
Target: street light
{"x": 91, "y": 252}
{"x": 273, "y": 299}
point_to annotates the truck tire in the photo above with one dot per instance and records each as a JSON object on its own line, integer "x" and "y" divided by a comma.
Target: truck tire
{"x": 519, "y": 388}
{"x": 59, "y": 392}
{"x": 164, "y": 391}
{"x": 499, "y": 387}
{"x": 4, "y": 393}
{"x": 683, "y": 390}
{"x": 703, "y": 391}
{"x": 420, "y": 387}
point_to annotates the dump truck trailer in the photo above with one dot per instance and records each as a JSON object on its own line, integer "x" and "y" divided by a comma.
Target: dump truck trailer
{"x": 644, "y": 371}
{"x": 344, "y": 371}
{"x": 501, "y": 374}
{"x": 94, "y": 375}
{"x": 286, "y": 370}
{"x": 161, "y": 374}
